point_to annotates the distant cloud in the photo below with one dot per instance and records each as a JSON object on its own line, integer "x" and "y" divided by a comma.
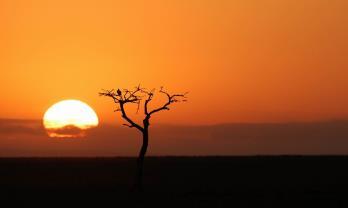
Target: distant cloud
{"x": 329, "y": 137}
{"x": 18, "y": 126}
{"x": 69, "y": 131}
{"x": 28, "y": 138}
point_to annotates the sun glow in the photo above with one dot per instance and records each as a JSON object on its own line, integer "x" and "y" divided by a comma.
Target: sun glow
{"x": 69, "y": 118}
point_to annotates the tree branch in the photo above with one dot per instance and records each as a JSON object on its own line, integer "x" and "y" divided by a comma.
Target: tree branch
{"x": 130, "y": 121}
{"x": 171, "y": 99}
{"x": 122, "y": 97}
{"x": 150, "y": 95}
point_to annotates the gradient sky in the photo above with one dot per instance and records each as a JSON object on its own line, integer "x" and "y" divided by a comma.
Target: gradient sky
{"x": 241, "y": 60}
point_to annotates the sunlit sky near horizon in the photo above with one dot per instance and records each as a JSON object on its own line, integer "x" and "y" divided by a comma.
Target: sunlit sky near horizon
{"x": 266, "y": 63}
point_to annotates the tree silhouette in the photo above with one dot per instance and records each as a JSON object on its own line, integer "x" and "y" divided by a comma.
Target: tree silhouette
{"x": 137, "y": 96}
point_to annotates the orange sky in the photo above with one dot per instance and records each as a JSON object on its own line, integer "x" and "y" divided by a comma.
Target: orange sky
{"x": 241, "y": 60}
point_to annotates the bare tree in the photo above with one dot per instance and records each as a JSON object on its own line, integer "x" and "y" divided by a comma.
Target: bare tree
{"x": 138, "y": 96}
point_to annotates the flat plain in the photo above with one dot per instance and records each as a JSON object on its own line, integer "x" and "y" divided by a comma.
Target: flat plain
{"x": 255, "y": 181}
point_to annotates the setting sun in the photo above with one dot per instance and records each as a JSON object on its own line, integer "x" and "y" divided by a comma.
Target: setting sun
{"x": 68, "y": 118}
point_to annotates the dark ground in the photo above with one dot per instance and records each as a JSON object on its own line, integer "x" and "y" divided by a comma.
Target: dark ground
{"x": 281, "y": 181}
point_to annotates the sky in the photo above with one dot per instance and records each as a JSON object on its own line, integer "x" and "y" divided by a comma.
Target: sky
{"x": 242, "y": 61}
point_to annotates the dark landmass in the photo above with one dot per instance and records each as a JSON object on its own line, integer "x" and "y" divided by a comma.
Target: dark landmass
{"x": 260, "y": 181}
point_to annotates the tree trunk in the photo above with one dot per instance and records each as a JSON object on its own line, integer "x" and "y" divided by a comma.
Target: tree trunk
{"x": 140, "y": 161}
